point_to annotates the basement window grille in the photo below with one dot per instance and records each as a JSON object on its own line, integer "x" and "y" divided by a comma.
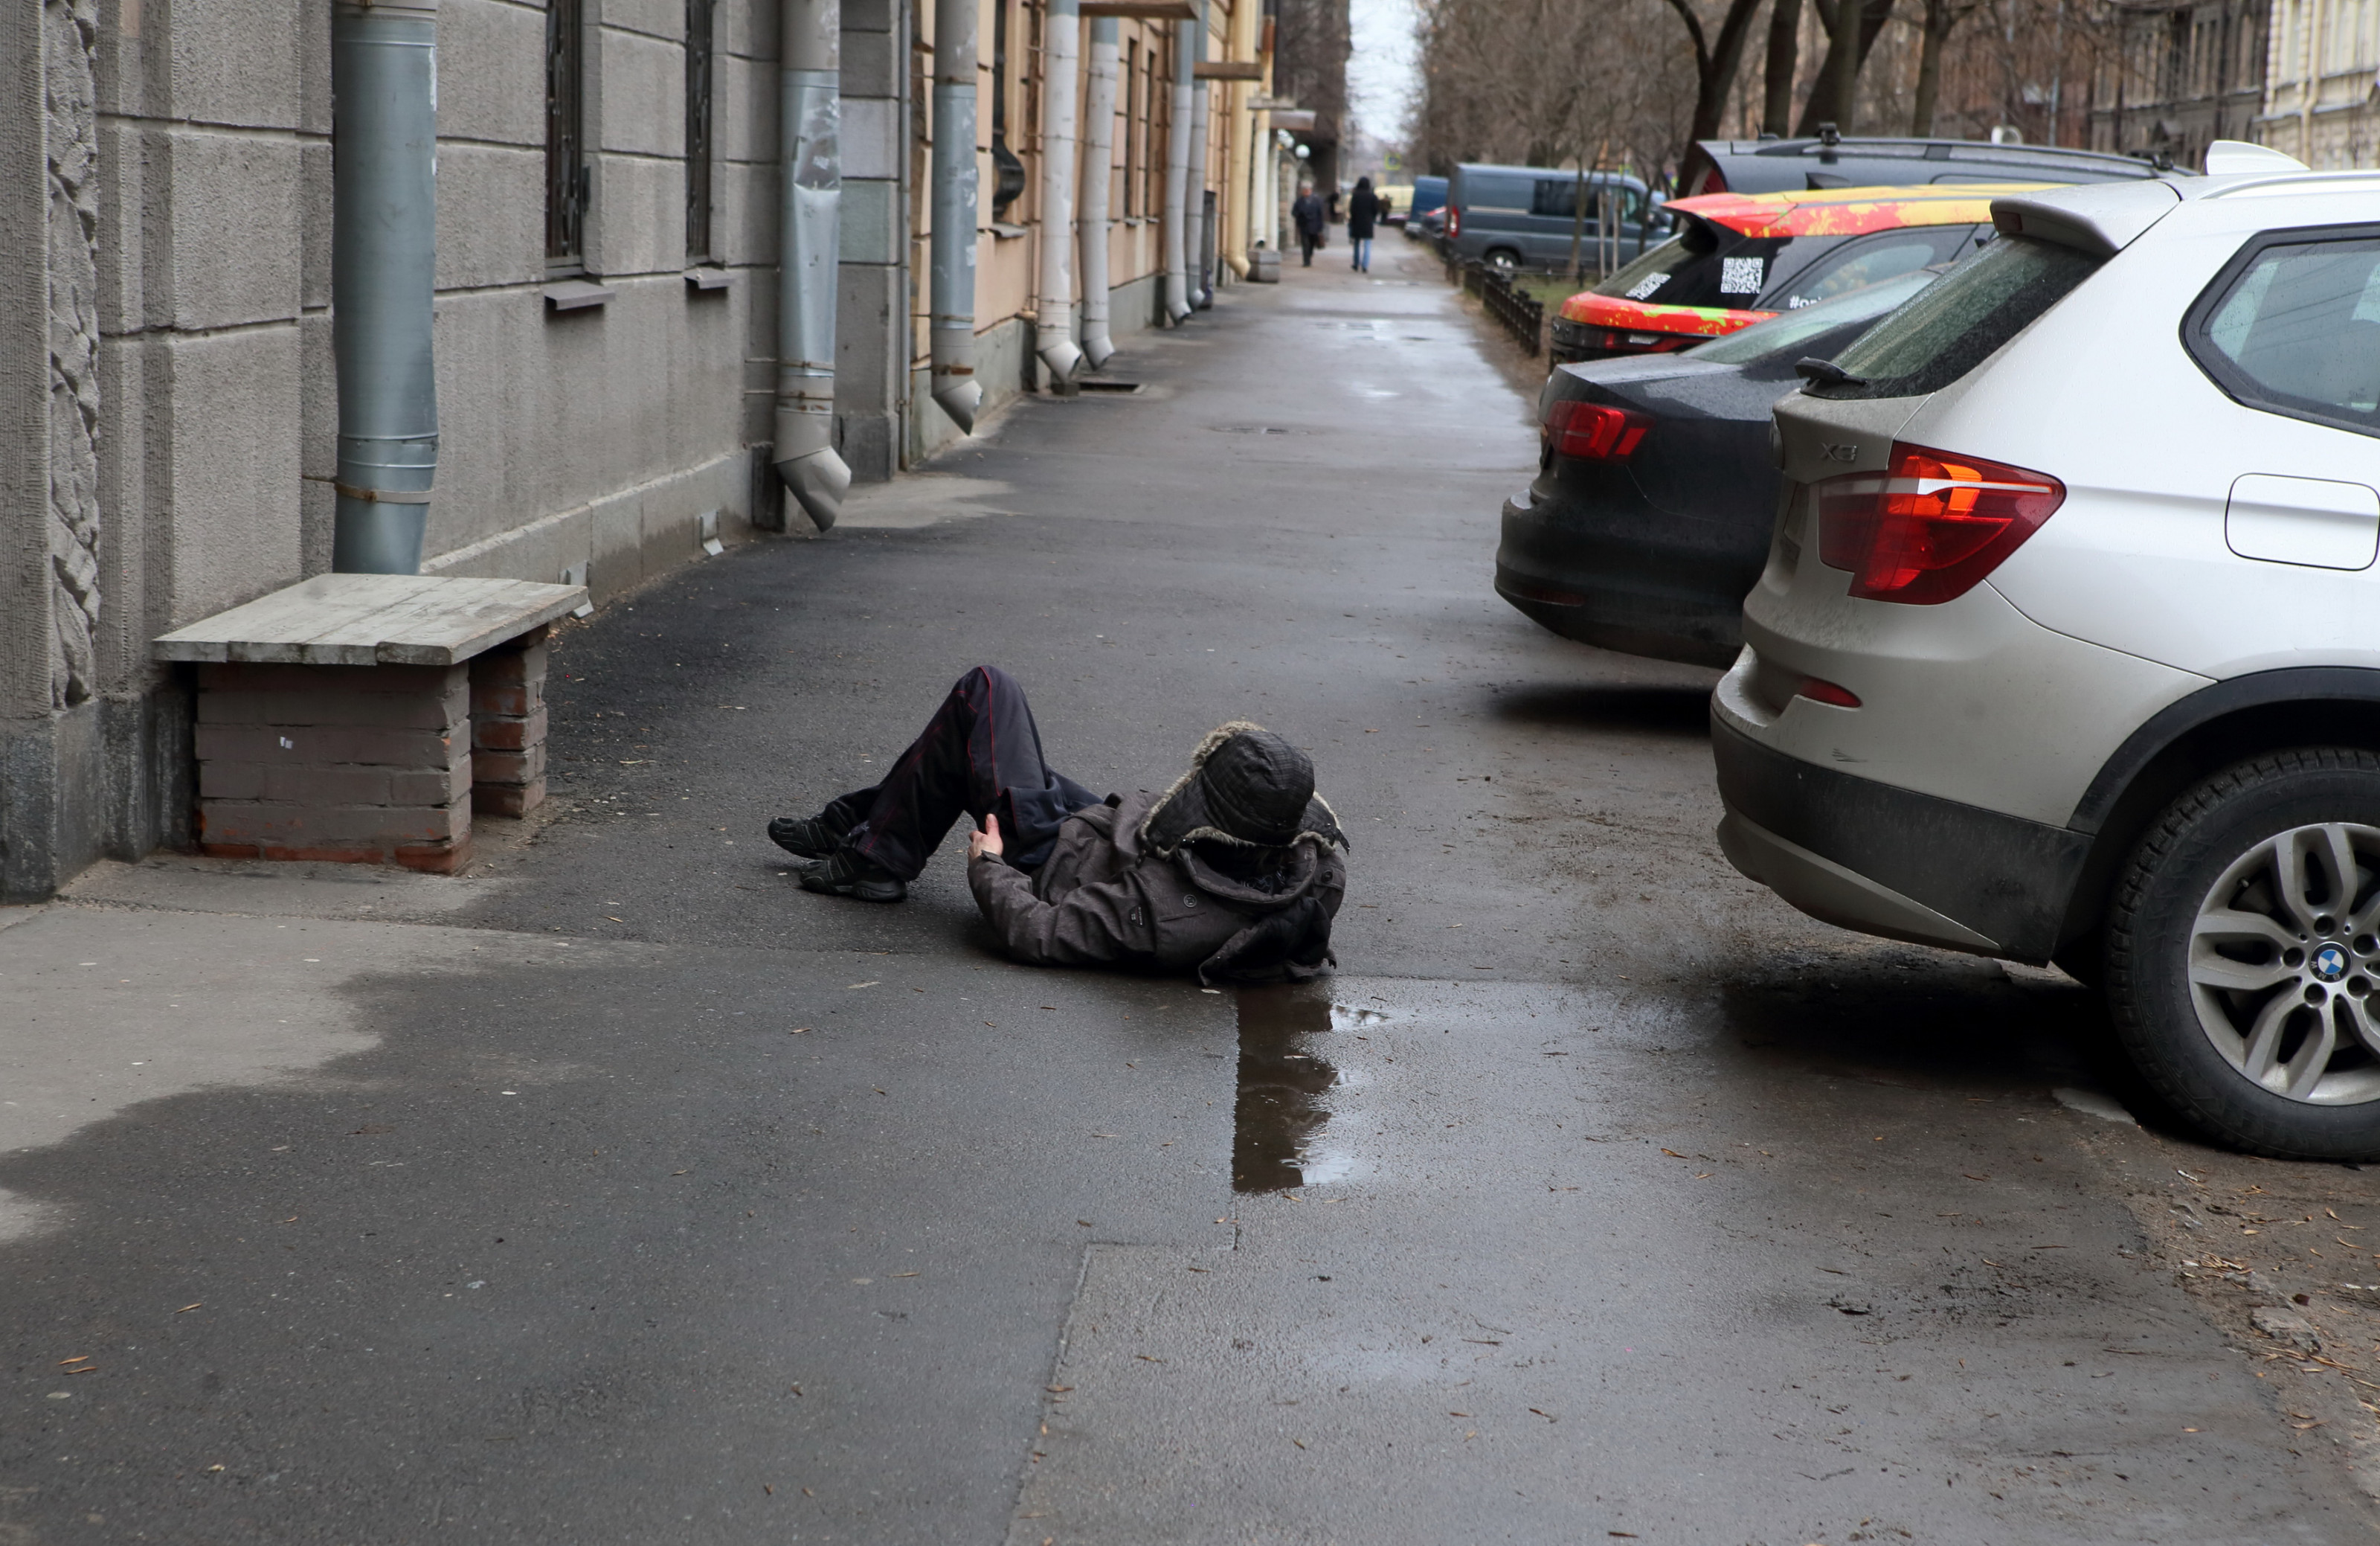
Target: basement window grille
{"x": 567, "y": 179}
{"x": 698, "y": 18}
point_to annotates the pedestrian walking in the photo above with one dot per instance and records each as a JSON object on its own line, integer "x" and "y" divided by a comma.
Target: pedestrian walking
{"x": 1307, "y": 213}
{"x": 1363, "y": 212}
{"x": 1234, "y": 871}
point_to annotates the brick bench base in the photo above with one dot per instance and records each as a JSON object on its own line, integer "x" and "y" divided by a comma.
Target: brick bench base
{"x": 508, "y": 727}
{"x": 407, "y": 702}
{"x": 359, "y": 763}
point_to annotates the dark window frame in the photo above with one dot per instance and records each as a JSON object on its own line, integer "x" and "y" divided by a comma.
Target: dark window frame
{"x": 701, "y": 19}
{"x": 568, "y": 181}
{"x": 2237, "y": 384}
{"x": 1133, "y": 132}
{"x": 1007, "y": 171}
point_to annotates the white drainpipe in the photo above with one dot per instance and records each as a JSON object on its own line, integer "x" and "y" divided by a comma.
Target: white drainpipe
{"x": 383, "y": 262}
{"x": 1194, "y": 227}
{"x": 1177, "y": 175}
{"x": 1053, "y": 328}
{"x": 810, "y": 59}
{"x": 1099, "y": 150}
{"x": 954, "y": 187}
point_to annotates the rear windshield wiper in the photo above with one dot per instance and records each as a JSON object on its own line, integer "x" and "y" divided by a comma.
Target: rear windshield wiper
{"x": 1826, "y": 373}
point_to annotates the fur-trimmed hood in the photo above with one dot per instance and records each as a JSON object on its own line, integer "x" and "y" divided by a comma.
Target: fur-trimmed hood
{"x": 1187, "y": 810}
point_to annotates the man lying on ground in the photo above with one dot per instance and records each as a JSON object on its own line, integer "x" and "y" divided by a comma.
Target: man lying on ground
{"x": 1235, "y": 871}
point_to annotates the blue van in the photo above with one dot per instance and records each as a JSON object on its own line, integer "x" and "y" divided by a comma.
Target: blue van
{"x": 1426, "y": 214}
{"x": 1517, "y": 217}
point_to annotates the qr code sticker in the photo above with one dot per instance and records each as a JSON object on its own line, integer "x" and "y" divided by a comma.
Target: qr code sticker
{"x": 1647, "y": 285}
{"x": 1740, "y": 275}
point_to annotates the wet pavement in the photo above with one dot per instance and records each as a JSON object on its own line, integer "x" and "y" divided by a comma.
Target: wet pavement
{"x": 619, "y": 1191}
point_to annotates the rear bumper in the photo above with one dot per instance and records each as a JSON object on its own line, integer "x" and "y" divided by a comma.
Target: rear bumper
{"x": 1893, "y": 861}
{"x": 1610, "y": 586}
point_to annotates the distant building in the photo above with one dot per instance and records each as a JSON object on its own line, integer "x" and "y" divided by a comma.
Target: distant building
{"x": 2322, "y": 82}
{"x": 2181, "y": 76}
{"x": 605, "y": 334}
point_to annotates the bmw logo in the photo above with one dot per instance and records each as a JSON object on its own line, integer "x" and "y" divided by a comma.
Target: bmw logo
{"x": 2330, "y": 963}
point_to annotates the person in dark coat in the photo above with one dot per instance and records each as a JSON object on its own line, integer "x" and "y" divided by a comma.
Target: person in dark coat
{"x": 1307, "y": 213}
{"x": 1235, "y": 871}
{"x": 1363, "y": 214}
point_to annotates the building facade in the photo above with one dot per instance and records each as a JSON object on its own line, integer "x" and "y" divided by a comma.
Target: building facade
{"x": 2301, "y": 76}
{"x": 607, "y": 185}
{"x": 2181, "y": 77}
{"x": 2322, "y": 82}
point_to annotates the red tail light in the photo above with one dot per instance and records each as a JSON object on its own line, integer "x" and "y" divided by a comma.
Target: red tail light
{"x": 1931, "y": 526}
{"x": 1819, "y": 690}
{"x": 1454, "y": 221}
{"x": 1595, "y": 431}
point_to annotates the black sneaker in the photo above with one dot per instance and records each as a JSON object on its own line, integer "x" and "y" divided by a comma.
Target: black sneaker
{"x": 810, "y": 837}
{"x": 846, "y": 873}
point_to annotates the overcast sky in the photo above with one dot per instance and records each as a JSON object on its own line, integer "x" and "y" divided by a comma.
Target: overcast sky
{"x": 1380, "y": 71}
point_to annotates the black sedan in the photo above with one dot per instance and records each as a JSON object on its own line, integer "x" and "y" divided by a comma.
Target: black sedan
{"x": 1650, "y": 515}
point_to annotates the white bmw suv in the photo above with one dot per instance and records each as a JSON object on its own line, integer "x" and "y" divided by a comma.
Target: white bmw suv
{"x": 2068, "y": 647}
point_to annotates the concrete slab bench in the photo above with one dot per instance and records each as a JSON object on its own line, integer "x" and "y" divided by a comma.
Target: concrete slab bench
{"x": 365, "y": 718}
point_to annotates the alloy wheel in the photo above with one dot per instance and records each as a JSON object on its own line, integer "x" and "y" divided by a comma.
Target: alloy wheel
{"x": 2285, "y": 964}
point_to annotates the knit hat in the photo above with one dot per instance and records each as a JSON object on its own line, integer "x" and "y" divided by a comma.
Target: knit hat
{"x": 1246, "y": 786}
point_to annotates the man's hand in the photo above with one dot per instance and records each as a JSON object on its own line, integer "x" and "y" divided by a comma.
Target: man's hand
{"x": 987, "y": 841}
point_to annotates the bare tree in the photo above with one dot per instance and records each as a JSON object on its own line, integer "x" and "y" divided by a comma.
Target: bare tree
{"x": 1717, "y": 59}
{"x": 1784, "y": 58}
{"x": 1553, "y": 82}
{"x": 1942, "y": 16}
{"x": 1852, "y": 27}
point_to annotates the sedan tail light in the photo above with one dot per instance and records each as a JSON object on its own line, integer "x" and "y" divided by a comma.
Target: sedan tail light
{"x": 1596, "y": 432}
{"x": 1931, "y": 526}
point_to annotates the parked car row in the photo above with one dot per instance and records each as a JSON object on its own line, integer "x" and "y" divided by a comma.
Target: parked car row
{"x": 2058, "y": 603}
{"x": 1739, "y": 258}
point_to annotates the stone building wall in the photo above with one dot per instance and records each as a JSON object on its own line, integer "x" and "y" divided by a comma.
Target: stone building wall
{"x": 169, "y": 439}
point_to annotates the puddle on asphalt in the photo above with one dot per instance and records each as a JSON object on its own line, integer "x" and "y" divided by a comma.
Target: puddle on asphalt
{"x": 1280, "y": 1124}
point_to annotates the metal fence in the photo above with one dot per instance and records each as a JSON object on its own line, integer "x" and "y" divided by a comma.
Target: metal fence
{"x": 1522, "y": 317}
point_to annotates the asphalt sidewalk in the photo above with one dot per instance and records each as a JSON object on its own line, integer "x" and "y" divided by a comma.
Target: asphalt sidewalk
{"x": 617, "y": 1190}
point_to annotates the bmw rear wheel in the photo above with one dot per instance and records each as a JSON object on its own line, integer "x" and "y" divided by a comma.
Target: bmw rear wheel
{"x": 2243, "y": 956}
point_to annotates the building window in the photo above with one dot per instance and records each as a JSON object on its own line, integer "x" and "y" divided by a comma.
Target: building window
{"x": 566, "y": 159}
{"x": 1007, "y": 171}
{"x": 1132, "y": 129}
{"x": 697, "y": 132}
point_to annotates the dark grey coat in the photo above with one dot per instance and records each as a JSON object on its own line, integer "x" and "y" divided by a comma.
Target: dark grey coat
{"x": 1102, "y": 899}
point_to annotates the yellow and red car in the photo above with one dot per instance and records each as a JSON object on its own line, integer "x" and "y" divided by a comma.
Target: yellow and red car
{"x": 1740, "y": 257}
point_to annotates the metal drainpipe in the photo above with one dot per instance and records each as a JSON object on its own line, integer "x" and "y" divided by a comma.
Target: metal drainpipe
{"x": 1177, "y": 177}
{"x": 1098, "y": 153}
{"x": 383, "y": 262}
{"x": 955, "y": 181}
{"x": 1053, "y": 326}
{"x": 1194, "y": 224}
{"x": 810, "y": 59}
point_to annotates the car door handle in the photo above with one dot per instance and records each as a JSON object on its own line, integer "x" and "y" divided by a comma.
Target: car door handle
{"x": 2311, "y": 521}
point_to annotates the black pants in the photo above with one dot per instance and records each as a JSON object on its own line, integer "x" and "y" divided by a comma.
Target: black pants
{"x": 980, "y": 754}
{"x": 1308, "y": 241}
